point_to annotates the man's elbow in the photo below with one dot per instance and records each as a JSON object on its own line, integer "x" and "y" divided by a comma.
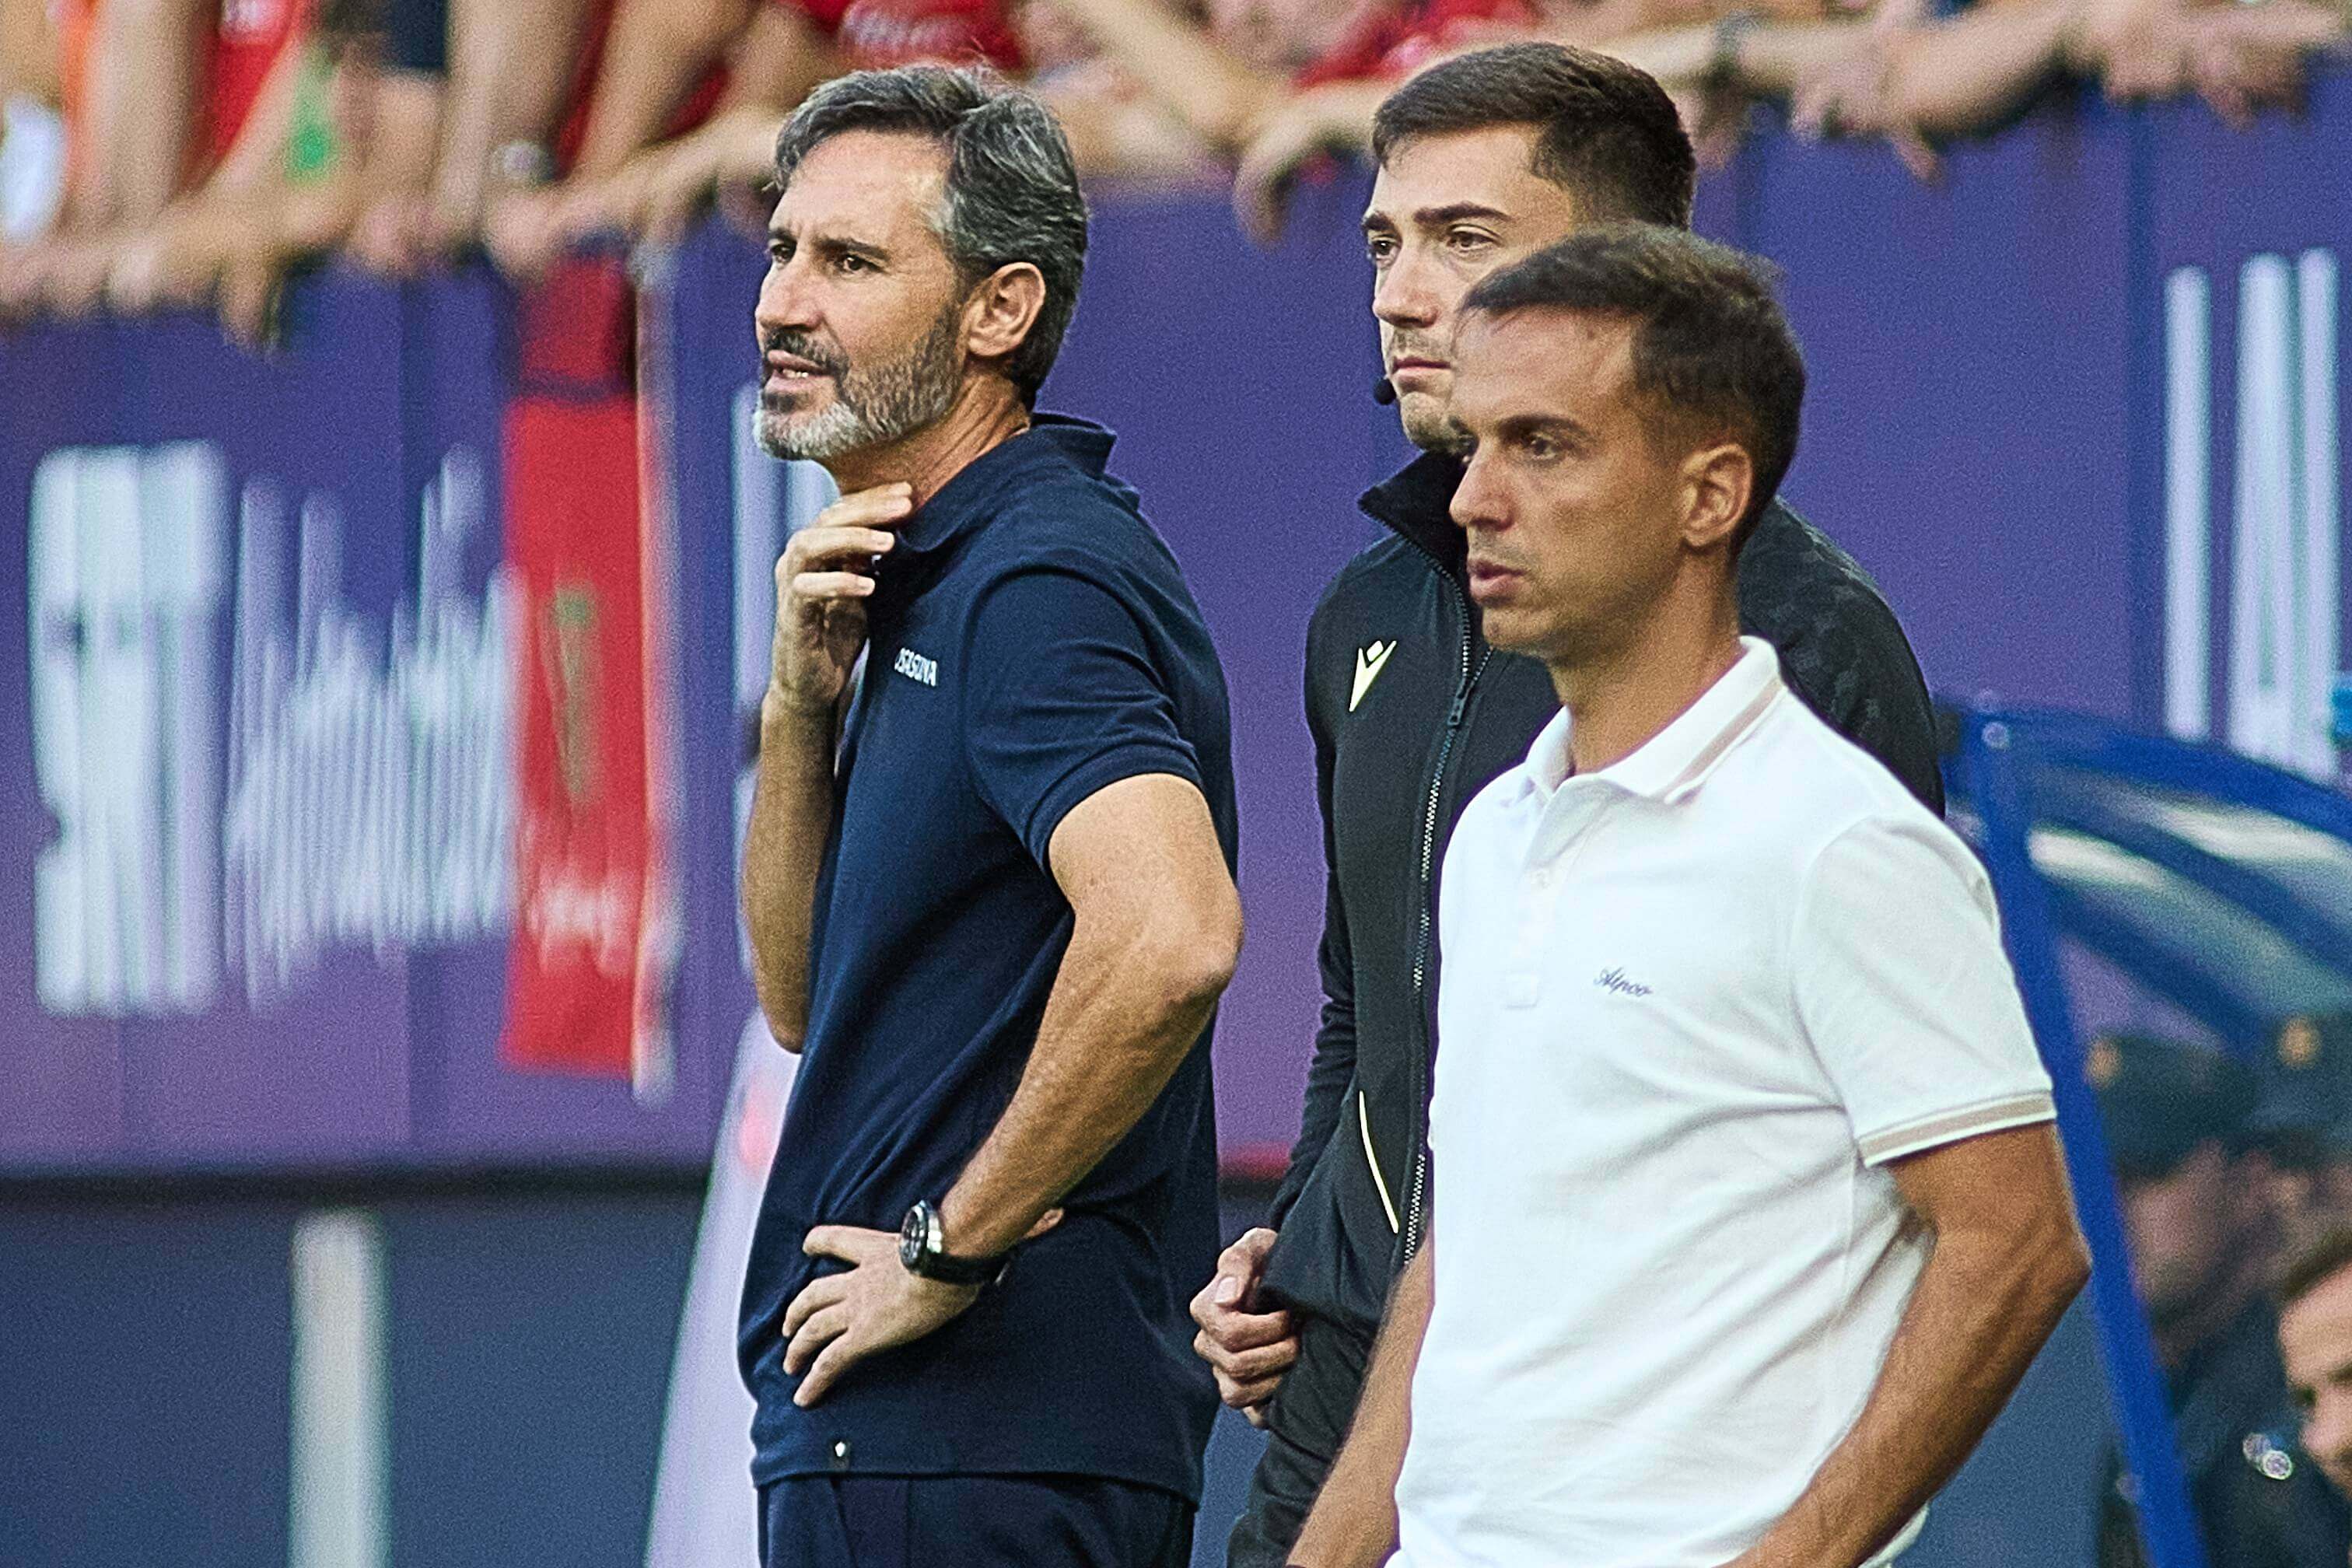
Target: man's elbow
{"x": 2070, "y": 1263}
{"x": 786, "y": 1015}
{"x": 785, "y": 1030}
{"x": 2058, "y": 1260}
{"x": 1197, "y": 952}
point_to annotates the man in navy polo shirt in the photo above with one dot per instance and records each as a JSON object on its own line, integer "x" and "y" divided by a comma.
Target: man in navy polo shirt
{"x": 988, "y": 880}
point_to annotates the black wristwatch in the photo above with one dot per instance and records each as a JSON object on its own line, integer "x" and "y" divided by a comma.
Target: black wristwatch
{"x": 923, "y": 1248}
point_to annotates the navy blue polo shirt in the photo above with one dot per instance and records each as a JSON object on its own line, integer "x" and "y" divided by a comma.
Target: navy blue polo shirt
{"x": 1030, "y": 641}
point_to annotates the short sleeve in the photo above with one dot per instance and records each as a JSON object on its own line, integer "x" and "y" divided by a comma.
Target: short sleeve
{"x": 1062, "y": 697}
{"x": 1906, "y": 994}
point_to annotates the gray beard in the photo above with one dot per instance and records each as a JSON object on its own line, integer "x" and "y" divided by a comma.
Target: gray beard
{"x": 875, "y": 406}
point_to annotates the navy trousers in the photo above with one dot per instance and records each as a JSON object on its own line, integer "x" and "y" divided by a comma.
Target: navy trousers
{"x": 971, "y": 1521}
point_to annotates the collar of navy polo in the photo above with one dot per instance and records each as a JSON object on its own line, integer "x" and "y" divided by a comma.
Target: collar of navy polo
{"x": 1676, "y": 760}
{"x": 970, "y": 496}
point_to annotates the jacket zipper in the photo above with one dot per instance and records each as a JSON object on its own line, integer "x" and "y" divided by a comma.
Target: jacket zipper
{"x": 1416, "y": 1194}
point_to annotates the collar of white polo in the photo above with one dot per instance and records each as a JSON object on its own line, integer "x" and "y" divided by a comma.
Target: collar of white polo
{"x": 1676, "y": 760}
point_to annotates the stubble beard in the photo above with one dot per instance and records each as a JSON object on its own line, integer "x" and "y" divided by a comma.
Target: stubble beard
{"x": 1426, "y": 423}
{"x": 871, "y": 406}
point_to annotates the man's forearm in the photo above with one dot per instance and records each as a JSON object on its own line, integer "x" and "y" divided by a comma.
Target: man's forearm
{"x": 1353, "y": 1521}
{"x": 776, "y": 62}
{"x": 657, "y": 51}
{"x": 511, "y": 67}
{"x": 1975, "y": 70}
{"x": 1218, "y": 95}
{"x": 141, "y": 93}
{"x": 404, "y": 132}
{"x": 1981, "y": 1310}
{"x": 1126, "y": 1007}
{"x": 792, "y": 811}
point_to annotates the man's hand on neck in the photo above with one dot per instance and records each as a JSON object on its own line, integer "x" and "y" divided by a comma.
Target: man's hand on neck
{"x": 987, "y": 413}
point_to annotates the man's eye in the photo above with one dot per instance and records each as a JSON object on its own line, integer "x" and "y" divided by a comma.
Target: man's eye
{"x": 1380, "y": 248}
{"x": 851, "y": 262}
{"x": 779, "y": 254}
{"x": 1469, "y": 239}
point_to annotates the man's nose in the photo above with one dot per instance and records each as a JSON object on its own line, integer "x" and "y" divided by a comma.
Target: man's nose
{"x": 1406, "y": 295}
{"x": 786, "y": 303}
{"x": 1479, "y": 504}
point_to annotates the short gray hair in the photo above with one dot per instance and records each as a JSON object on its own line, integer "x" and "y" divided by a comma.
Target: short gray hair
{"x": 1011, "y": 188}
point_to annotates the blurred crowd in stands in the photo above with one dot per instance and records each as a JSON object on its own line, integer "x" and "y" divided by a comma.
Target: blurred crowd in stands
{"x": 185, "y": 151}
{"x": 2236, "y": 1182}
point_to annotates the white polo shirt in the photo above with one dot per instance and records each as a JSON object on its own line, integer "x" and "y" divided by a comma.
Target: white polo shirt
{"x": 1691, "y": 1004}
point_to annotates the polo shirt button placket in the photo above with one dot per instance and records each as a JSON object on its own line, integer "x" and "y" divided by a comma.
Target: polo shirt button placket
{"x": 840, "y": 1455}
{"x": 1523, "y": 980}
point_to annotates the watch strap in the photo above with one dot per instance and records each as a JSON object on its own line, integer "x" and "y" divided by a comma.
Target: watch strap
{"x": 921, "y": 1251}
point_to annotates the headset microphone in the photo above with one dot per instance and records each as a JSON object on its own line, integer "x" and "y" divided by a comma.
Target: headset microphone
{"x": 1382, "y": 392}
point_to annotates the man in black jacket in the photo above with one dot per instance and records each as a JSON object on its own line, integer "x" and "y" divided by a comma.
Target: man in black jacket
{"x": 1482, "y": 160}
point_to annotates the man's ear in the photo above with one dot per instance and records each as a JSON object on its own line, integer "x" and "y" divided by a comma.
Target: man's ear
{"x": 998, "y": 317}
{"x": 1717, "y": 482}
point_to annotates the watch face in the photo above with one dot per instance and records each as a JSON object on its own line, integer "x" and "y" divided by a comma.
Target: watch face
{"x": 914, "y": 1231}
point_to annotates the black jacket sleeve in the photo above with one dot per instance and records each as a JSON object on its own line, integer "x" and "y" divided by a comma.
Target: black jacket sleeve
{"x": 1841, "y": 650}
{"x": 1334, "y": 1066}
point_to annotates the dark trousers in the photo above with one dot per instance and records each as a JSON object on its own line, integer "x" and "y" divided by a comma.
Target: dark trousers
{"x": 971, "y": 1521}
{"x": 1305, "y": 1422}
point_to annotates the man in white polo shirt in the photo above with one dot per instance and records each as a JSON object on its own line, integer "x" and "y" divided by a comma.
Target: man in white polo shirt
{"x": 1748, "y": 1212}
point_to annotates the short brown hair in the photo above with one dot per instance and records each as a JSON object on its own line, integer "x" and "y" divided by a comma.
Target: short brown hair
{"x": 2313, "y": 1266}
{"x": 1605, "y": 130}
{"x": 1711, "y": 342}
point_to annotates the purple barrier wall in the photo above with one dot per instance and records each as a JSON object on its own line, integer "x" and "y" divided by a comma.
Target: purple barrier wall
{"x": 2074, "y": 407}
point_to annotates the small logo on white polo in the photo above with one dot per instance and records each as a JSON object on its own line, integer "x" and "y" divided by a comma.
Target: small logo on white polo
{"x": 915, "y": 667}
{"x": 1614, "y": 980}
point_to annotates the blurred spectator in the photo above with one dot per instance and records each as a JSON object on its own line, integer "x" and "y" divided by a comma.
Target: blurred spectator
{"x": 344, "y": 124}
{"x": 514, "y": 65}
{"x": 1275, "y": 84}
{"x": 1916, "y": 80}
{"x": 635, "y": 175}
{"x": 2315, "y": 1337}
{"x": 285, "y": 186}
{"x": 2302, "y": 1127}
{"x": 1895, "y": 72}
{"x": 789, "y": 46}
{"x": 2177, "y": 1118}
{"x": 390, "y": 232}
{"x": 743, "y": 64}
{"x": 121, "y": 166}
{"x": 2238, "y": 57}
{"x": 157, "y": 94}
{"x": 651, "y": 68}
{"x": 32, "y": 126}
{"x": 208, "y": 145}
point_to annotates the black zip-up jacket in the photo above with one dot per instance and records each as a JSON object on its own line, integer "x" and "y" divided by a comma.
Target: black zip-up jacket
{"x": 1412, "y": 714}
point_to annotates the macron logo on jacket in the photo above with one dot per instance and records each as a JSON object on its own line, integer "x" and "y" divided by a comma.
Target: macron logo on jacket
{"x": 1371, "y": 659}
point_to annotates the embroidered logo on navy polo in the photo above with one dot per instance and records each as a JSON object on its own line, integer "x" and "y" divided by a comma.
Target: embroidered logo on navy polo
{"x": 915, "y": 667}
{"x": 1615, "y": 982}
